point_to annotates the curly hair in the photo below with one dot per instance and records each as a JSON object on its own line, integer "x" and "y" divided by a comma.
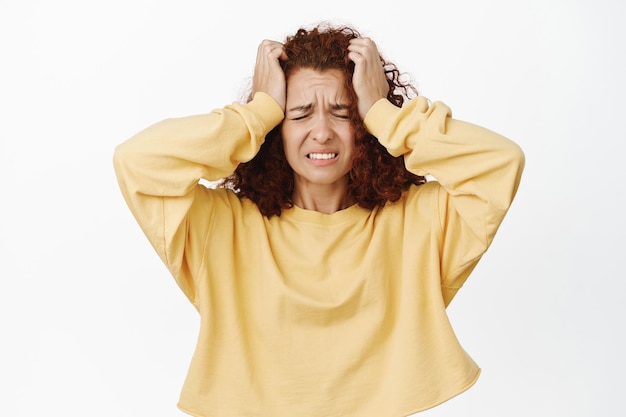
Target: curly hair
{"x": 375, "y": 178}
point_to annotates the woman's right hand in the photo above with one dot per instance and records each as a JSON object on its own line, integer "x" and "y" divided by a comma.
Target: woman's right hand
{"x": 268, "y": 75}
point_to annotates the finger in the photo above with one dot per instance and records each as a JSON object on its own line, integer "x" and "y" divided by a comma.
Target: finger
{"x": 363, "y": 46}
{"x": 272, "y": 49}
{"x": 369, "y": 79}
{"x": 268, "y": 74}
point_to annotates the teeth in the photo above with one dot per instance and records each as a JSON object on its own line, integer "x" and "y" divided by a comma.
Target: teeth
{"x": 322, "y": 155}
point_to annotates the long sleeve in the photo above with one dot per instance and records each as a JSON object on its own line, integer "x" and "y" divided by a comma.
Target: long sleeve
{"x": 158, "y": 171}
{"x": 479, "y": 172}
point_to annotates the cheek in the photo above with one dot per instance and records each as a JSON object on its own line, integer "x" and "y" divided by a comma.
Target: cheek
{"x": 289, "y": 144}
{"x": 349, "y": 140}
{"x": 292, "y": 135}
{"x": 288, "y": 133}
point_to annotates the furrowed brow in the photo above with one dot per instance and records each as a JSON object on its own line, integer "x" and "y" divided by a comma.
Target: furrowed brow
{"x": 340, "y": 107}
{"x": 302, "y": 108}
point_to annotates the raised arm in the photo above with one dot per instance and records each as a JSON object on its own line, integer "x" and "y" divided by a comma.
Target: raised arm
{"x": 159, "y": 168}
{"x": 158, "y": 171}
{"x": 479, "y": 170}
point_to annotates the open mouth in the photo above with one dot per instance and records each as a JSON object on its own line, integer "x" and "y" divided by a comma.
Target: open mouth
{"x": 330, "y": 155}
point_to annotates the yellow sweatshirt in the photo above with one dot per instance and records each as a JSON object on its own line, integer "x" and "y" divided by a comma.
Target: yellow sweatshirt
{"x": 315, "y": 315}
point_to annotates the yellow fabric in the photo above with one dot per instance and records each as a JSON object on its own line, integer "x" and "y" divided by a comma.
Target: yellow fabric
{"x": 318, "y": 315}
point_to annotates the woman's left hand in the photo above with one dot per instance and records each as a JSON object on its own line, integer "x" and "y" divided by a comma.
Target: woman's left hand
{"x": 369, "y": 80}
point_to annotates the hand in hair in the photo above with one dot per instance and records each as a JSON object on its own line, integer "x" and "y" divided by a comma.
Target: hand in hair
{"x": 268, "y": 74}
{"x": 369, "y": 80}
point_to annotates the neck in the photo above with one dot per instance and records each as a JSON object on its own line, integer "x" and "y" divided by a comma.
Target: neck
{"x": 324, "y": 199}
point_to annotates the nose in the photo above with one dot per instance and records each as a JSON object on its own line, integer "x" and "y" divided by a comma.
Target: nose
{"x": 322, "y": 130}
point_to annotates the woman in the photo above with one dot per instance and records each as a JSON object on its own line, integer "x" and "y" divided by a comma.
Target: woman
{"x": 322, "y": 266}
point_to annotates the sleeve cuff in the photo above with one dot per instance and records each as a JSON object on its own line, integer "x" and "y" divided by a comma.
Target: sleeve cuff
{"x": 379, "y": 115}
{"x": 267, "y": 109}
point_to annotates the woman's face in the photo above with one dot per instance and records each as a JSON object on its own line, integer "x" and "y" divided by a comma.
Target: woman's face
{"x": 318, "y": 138}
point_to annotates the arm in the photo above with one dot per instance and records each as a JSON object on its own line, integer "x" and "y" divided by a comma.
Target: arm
{"x": 478, "y": 170}
{"x": 159, "y": 168}
{"x": 158, "y": 171}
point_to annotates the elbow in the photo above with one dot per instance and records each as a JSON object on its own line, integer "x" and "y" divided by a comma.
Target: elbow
{"x": 124, "y": 163}
{"x": 517, "y": 162}
{"x": 125, "y": 155}
{"x": 121, "y": 154}
{"x": 518, "y": 157}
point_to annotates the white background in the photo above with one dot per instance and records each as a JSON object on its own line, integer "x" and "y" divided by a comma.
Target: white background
{"x": 91, "y": 323}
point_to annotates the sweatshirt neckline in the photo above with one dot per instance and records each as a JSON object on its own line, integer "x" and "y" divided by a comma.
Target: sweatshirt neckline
{"x": 351, "y": 213}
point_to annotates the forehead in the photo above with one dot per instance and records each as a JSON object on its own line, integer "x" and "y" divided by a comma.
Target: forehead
{"x": 307, "y": 83}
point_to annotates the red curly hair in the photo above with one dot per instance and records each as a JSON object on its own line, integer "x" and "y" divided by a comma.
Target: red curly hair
{"x": 375, "y": 178}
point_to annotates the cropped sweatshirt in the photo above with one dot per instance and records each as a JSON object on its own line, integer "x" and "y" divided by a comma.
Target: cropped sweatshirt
{"x": 321, "y": 315}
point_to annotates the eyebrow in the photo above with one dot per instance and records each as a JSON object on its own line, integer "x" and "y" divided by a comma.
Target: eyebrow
{"x": 307, "y": 107}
